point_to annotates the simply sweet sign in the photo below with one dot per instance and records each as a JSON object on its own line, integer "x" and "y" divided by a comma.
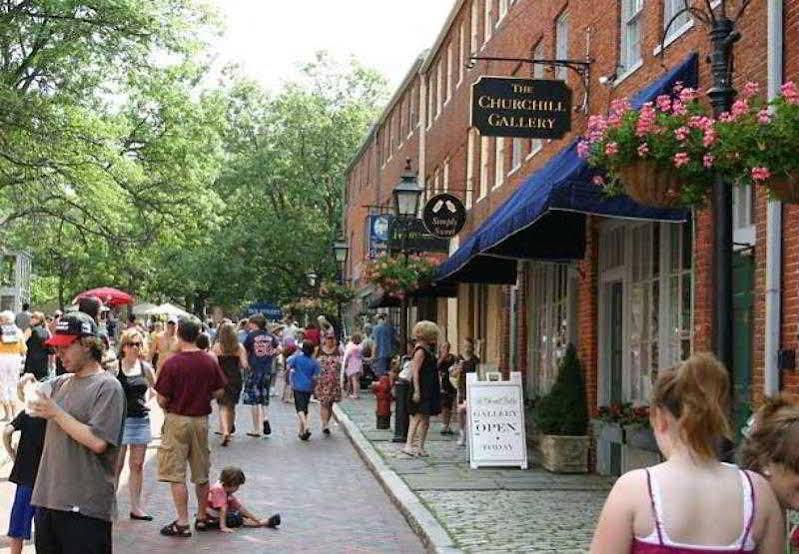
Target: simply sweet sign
{"x": 496, "y": 422}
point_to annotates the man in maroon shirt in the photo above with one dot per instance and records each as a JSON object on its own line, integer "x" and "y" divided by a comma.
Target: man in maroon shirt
{"x": 187, "y": 382}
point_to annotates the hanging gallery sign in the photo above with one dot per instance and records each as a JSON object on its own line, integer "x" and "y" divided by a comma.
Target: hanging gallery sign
{"x": 412, "y": 236}
{"x": 521, "y": 108}
{"x": 496, "y": 421}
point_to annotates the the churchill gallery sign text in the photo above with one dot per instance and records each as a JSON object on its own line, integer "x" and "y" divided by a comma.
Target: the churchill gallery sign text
{"x": 521, "y": 108}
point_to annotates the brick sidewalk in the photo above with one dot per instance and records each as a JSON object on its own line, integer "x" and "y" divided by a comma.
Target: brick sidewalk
{"x": 491, "y": 510}
{"x": 328, "y": 499}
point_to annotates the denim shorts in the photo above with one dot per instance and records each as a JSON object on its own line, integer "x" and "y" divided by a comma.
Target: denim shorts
{"x": 19, "y": 527}
{"x": 136, "y": 431}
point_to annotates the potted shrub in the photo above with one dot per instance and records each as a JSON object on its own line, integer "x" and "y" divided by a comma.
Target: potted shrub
{"x": 562, "y": 420}
{"x": 399, "y": 276}
{"x": 656, "y": 155}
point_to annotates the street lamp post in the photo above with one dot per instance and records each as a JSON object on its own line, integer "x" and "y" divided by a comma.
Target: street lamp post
{"x": 406, "y": 197}
{"x": 340, "y": 251}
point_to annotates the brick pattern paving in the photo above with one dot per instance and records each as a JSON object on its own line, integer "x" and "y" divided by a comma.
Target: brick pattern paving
{"x": 492, "y": 510}
{"x": 328, "y": 499}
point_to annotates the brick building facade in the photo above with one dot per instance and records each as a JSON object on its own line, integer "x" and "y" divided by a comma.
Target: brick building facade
{"x": 653, "y": 277}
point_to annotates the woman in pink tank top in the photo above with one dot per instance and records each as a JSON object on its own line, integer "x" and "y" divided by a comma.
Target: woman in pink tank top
{"x": 691, "y": 503}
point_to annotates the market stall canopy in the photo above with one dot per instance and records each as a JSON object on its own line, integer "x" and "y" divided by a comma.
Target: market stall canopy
{"x": 109, "y": 295}
{"x": 168, "y": 309}
{"x": 143, "y": 308}
{"x": 545, "y": 218}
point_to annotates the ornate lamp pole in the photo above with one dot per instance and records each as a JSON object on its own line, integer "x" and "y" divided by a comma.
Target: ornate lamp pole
{"x": 340, "y": 251}
{"x": 406, "y": 197}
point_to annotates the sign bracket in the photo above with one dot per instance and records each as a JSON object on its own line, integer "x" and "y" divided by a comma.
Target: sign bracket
{"x": 580, "y": 67}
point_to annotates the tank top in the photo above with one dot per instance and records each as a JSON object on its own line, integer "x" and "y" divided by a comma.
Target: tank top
{"x": 135, "y": 389}
{"x": 658, "y": 542}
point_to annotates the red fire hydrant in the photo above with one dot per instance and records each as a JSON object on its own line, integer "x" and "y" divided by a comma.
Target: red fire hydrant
{"x": 382, "y": 390}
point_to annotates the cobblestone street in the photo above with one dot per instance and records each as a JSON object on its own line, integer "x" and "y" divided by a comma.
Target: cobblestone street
{"x": 328, "y": 499}
{"x": 491, "y": 510}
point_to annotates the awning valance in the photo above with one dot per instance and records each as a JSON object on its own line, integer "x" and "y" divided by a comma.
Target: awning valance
{"x": 544, "y": 219}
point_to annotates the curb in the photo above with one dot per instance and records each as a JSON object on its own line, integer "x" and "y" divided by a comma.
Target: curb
{"x": 422, "y": 521}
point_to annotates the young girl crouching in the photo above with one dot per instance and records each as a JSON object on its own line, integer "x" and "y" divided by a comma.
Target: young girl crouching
{"x": 225, "y": 512}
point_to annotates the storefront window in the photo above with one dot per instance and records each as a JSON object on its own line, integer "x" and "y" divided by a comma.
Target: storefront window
{"x": 551, "y": 317}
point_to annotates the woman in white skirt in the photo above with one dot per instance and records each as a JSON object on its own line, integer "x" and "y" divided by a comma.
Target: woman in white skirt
{"x": 137, "y": 379}
{"x": 12, "y": 348}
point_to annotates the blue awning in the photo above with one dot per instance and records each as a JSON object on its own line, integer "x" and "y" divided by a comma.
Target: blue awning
{"x": 544, "y": 218}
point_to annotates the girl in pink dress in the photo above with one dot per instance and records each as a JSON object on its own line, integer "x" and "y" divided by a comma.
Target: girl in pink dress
{"x": 353, "y": 364}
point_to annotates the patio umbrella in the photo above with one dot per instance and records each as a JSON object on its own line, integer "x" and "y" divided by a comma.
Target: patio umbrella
{"x": 110, "y": 296}
{"x": 168, "y": 309}
{"x": 143, "y": 308}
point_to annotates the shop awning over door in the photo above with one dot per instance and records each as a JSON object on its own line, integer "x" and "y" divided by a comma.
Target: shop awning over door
{"x": 544, "y": 219}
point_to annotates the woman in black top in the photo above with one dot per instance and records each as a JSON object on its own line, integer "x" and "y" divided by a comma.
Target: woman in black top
{"x": 136, "y": 377}
{"x": 232, "y": 358}
{"x": 38, "y": 353}
{"x": 426, "y": 398}
{"x": 448, "y": 393}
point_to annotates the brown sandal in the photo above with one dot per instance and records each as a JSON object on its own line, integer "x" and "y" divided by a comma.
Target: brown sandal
{"x": 175, "y": 530}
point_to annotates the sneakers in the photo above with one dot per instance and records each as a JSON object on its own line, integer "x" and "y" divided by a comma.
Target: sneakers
{"x": 273, "y": 521}
{"x": 305, "y": 436}
{"x": 267, "y": 428}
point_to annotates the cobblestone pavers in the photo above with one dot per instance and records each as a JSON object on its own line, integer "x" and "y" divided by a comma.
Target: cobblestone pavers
{"x": 492, "y": 509}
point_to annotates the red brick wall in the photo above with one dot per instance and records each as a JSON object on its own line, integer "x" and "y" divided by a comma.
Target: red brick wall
{"x": 587, "y": 314}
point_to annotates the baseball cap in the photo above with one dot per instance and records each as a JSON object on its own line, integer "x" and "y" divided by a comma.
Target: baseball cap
{"x": 71, "y": 327}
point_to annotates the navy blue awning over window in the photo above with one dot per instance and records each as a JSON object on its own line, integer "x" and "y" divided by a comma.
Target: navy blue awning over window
{"x": 544, "y": 219}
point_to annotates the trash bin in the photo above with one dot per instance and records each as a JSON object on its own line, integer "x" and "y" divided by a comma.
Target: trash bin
{"x": 401, "y": 391}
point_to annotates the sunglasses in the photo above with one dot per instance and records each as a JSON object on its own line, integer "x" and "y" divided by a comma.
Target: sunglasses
{"x": 134, "y": 344}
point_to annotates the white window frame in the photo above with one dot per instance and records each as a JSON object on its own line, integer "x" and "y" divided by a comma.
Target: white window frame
{"x": 516, "y": 155}
{"x": 485, "y": 149}
{"x": 630, "y": 57}
{"x": 538, "y": 73}
{"x": 488, "y": 23}
{"x": 400, "y": 134}
{"x": 474, "y": 39}
{"x": 439, "y": 88}
{"x": 436, "y": 181}
{"x": 470, "y": 146}
{"x": 503, "y": 10}
{"x": 562, "y": 44}
{"x": 499, "y": 162}
{"x": 446, "y": 176}
{"x": 743, "y": 216}
{"x": 412, "y": 112}
{"x": 461, "y": 53}
{"x": 430, "y": 101}
{"x": 448, "y": 90}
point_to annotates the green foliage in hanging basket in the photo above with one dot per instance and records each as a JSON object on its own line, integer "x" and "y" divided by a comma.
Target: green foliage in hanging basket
{"x": 336, "y": 293}
{"x": 398, "y": 276}
{"x": 563, "y": 411}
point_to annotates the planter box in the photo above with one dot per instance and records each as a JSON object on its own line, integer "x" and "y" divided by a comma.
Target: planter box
{"x": 561, "y": 454}
{"x": 641, "y": 438}
{"x": 608, "y": 432}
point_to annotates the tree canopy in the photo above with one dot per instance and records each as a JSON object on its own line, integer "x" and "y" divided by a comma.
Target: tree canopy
{"x": 124, "y": 162}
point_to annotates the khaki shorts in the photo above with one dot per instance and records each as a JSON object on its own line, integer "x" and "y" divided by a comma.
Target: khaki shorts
{"x": 184, "y": 439}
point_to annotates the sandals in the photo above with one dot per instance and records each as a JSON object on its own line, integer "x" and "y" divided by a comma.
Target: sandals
{"x": 256, "y": 435}
{"x": 410, "y": 453}
{"x": 203, "y": 524}
{"x": 175, "y": 530}
{"x": 225, "y": 440}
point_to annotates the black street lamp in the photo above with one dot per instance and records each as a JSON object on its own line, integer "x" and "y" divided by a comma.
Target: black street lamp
{"x": 406, "y": 196}
{"x": 311, "y": 276}
{"x": 340, "y": 251}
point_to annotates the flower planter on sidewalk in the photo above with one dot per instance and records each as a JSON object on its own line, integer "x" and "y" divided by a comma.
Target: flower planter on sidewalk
{"x": 640, "y": 437}
{"x": 564, "y": 454}
{"x": 649, "y": 185}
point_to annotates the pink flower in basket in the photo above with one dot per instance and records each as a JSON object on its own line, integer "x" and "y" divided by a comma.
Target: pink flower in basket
{"x": 682, "y": 133}
{"x": 763, "y": 117}
{"x": 643, "y": 150}
{"x": 708, "y": 160}
{"x": 760, "y": 173}
{"x": 751, "y": 89}
{"x": 790, "y": 92}
{"x": 611, "y": 149}
{"x": 681, "y": 159}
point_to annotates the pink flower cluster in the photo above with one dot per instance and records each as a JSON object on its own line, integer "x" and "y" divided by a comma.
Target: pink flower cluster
{"x": 687, "y": 94}
{"x": 643, "y": 149}
{"x": 708, "y": 160}
{"x": 760, "y": 173}
{"x": 646, "y": 120}
{"x": 597, "y": 126}
{"x": 611, "y": 149}
{"x": 583, "y": 149}
{"x": 739, "y": 107}
{"x": 681, "y": 159}
{"x": 763, "y": 117}
{"x": 750, "y": 90}
{"x": 618, "y": 108}
{"x": 790, "y": 92}
{"x": 682, "y": 133}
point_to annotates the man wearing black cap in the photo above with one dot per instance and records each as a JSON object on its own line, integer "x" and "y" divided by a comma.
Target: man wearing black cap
{"x": 74, "y": 488}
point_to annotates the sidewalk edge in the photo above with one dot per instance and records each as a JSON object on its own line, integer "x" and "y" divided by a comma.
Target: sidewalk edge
{"x": 422, "y": 521}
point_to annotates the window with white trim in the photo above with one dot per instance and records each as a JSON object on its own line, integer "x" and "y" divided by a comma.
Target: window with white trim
{"x": 448, "y": 90}
{"x": 439, "y": 87}
{"x": 743, "y": 215}
{"x": 631, "y": 17}
{"x": 470, "y": 146}
{"x": 499, "y": 162}
{"x": 552, "y": 288}
{"x": 436, "y": 181}
{"x": 538, "y": 73}
{"x": 461, "y": 52}
{"x": 488, "y": 20}
{"x": 503, "y": 9}
{"x": 562, "y": 44}
{"x": 401, "y": 122}
{"x": 516, "y": 154}
{"x": 420, "y": 98}
{"x": 446, "y": 175}
{"x": 412, "y": 119}
{"x": 670, "y": 9}
{"x": 475, "y": 23}
{"x": 431, "y": 84}
{"x": 485, "y": 149}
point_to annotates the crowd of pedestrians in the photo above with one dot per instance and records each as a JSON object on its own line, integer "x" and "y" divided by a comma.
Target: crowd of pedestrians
{"x": 79, "y": 429}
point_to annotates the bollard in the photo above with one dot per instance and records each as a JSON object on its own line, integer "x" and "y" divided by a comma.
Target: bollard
{"x": 401, "y": 390}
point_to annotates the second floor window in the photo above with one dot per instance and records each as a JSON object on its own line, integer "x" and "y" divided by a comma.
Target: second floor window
{"x": 475, "y": 26}
{"x": 562, "y": 44}
{"x": 631, "y": 16}
{"x": 670, "y": 9}
{"x": 488, "y": 20}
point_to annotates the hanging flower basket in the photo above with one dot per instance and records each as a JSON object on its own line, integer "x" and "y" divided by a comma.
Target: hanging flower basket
{"x": 785, "y": 189}
{"x": 647, "y": 184}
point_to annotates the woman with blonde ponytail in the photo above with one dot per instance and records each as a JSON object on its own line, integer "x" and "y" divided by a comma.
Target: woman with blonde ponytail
{"x": 691, "y": 503}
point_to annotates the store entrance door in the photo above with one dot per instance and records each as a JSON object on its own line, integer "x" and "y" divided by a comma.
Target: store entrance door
{"x": 616, "y": 359}
{"x": 743, "y": 281}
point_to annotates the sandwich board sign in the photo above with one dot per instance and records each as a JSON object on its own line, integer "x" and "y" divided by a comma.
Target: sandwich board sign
{"x": 496, "y": 421}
